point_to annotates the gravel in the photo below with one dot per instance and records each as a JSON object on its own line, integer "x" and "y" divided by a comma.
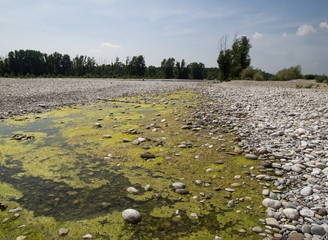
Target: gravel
{"x": 20, "y": 96}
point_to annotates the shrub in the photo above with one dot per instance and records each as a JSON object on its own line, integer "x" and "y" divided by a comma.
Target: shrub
{"x": 289, "y": 73}
{"x": 258, "y": 76}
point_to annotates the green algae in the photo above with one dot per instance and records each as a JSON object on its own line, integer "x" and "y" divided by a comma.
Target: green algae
{"x": 71, "y": 176}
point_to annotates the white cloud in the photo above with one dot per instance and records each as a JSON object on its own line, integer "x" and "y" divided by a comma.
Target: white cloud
{"x": 323, "y": 25}
{"x": 305, "y": 30}
{"x": 284, "y": 35}
{"x": 110, "y": 45}
{"x": 257, "y": 35}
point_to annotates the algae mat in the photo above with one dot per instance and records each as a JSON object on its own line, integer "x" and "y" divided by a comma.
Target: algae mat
{"x": 75, "y": 170}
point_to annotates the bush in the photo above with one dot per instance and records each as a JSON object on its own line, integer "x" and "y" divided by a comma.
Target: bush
{"x": 247, "y": 73}
{"x": 321, "y": 78}
{"x": 289, "y": 74}
{"x": 309, "y": 76}
{"x": 258, "y": 76}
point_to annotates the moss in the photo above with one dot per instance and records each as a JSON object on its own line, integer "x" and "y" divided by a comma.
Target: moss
{"x": 83, "y": 177}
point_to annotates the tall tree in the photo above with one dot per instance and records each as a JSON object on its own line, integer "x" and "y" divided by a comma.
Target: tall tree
{"x": 167, "y": 66}
{"x": 197, "y": 70}
{"x": 183, "y": 70}
{"x": 137, "y": 66}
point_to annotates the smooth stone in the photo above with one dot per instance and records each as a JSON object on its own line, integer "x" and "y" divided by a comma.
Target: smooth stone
{"x": 87, "y": 236}
{"x": 231, "y": 203}
{"x": 131, "y": 216}
{"x": 182, "y": 191}
{"x": 132, "y": 190}
{"x": 318, "y": 230}
{"x": 15, "y": 210}
{"x": 307, "y": 191}
{"x": 209, "y": 170}
{"x": 235, "y": 184}
{"x": 257, "y": 229}
{"x": 271, "y": 203}
{"x": 305, "y": 212}
{"x": 295, "y": 236}
{"x": 178, "y": 185}
{"x": 291, "y": 213}
{"x": 147, "y": 155}
{"x": 148, "y": 187}
{"x": 251, "y": 156}
{"x": 265, "y": 192}
{"x": 63, "y": 231}
{"x": 198, "y": 182}
{"x": 272, "y": 222}
{"x": 20, "y": 237}
{"x": 322, "y": 212}
{"x": 107, "y": 136}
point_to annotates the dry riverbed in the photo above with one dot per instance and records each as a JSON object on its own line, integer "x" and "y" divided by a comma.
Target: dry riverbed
{"x": 197, "y": 160}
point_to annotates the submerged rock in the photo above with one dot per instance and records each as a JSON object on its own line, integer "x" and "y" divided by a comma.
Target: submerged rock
{"x": 147, "y": 155}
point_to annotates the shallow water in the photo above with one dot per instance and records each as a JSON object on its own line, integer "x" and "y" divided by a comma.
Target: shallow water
{"x": 62, "y": 176}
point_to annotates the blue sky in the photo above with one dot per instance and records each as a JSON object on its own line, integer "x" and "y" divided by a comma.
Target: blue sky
{"x": 283, "y": 33}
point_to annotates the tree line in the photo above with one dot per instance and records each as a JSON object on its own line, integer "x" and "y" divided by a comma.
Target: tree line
{"x": 31, "y": 63}
{"x": 234, "y": 63}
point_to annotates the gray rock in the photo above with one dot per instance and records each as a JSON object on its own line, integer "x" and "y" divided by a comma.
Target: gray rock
{"x": 87, "y": 236}
{"x": 148, "y": 187}
{"x": 257, "y": 229}
{"x": 318, "y": 230}
{"x": 307, "y": 191}
{"x": 291, "y": 213}
{"x": 63, "y": 231}
{"x": 295, "y": 236}
{"x": 15, "y": 210}
{"x": 182, "y": 191}
{"x": 132, "y": 190}
{"x": 271, "y": 203}
{"x": 305, "y": 212}
{"x": 147, "y": 155}
{"x": 178, "y": 185}
{"x": 251, "y": 156}
{"x": 131, "y": 216}
{"x": 272, "y": 222}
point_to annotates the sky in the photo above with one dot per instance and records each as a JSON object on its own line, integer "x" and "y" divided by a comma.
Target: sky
{"x": 283, "y": 33}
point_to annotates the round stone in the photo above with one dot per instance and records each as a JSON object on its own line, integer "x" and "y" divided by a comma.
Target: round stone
{"x": 131, "y": 216}
{"x": 291, "y": 213}
{"x": 178, "y": 185}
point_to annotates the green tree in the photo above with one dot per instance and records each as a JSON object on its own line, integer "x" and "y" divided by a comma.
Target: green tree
{"x": 225, "y": 61}
{"x": 240, "y": 56}
{"x": 137, "y": 66}
{"x": 167, "y": 66}
{"x": 182, "y": 70}
{"x": 197, "y": 70}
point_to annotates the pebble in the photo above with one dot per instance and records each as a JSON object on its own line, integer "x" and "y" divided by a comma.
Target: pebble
{"x": 87, "y": 236}
{"x": 63, "y": 231}
{"x": 131, "y": 216}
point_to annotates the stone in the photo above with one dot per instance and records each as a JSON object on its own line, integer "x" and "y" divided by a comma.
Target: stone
{"x": 265, "y": 192}
{"x": 317, "y": 230}
{"x": 20, "y": 237}
{"x": 15, "y": 210}
{"x": 87, "y": 236}
{"x": 147, "y": 155}
{"x": 322, "y": 212}
{"x": 251, "y": 156}
{"x": 198, "y": 182}
{"x": 307, "y": 191}
{"x": 63, "y": 231}
{"x": 132, "y": 190}
{"x": 231, "y": 203}
{"x": 295, "y": 236}
{"x": 107, "y": 136}
{"x": 272, "y": 222}
{"x": 291, "y": 213}
{"x": 131, "y": 216}
{"x": 182, "y": 191}
{"x": 271, "y": 203}
{"x": 186, "y": 127}
{"x": 257, "y": 229}
{"x": 148, "y": 187}
{"x": 178, "y": 185}
{"x": 305, "y": 212}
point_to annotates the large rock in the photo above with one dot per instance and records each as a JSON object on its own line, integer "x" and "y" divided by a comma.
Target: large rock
{"x": 271, "y": 203}
{"x": 131, "y": 216}
{"x": 307, "y": 191}
{"x": 291, "y": 213}
{"x": 318, "y": 230}
{"x": 305, "y": 212}
{"x": 147, "y": 155}
{"x": 251, "y": 156}
{"x": 272, "y": 222}
{"x": 63, "y": 231}
{"x": 178, "y": 185}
